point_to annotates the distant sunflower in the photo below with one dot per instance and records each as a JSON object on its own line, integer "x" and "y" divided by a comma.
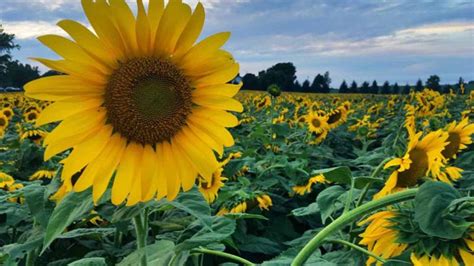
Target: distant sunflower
{"x": 459, "y": 137}
{"x": 264, "y": 202}
{"x": 337, "y": 117}
{"x": 31, "y": 116}
{"x": 423, "y": 157}
{"x": 140, "y": 99}
{"x": 317, "y": 123}
{"x": 6, "y": 180}
{"x": 210, "y": 189}
{"x": 35, "y": 135}
{"x": 43, "y": 174}
{"x": 8, "y": 112}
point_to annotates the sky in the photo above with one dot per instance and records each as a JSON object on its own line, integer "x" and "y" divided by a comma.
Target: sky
{"x": 362, "y": 40}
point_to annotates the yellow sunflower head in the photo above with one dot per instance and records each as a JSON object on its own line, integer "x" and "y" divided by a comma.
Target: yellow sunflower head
{"x": 264, "y": 202}
{"x": 459, "y": 137}
{"x": 3, "y": 121}
{"x": 210, "y": 190}
{"x": 317, "y": 123}
{"x": 423, "y": 158}
{"x": 138, "y": 94}
{"x": 43, "y": 174}
{"x": 8, "y": 112}
{"x": 34, "y": 135}
{"x": 31, "y": 116}
{"x": 6, "y": 180}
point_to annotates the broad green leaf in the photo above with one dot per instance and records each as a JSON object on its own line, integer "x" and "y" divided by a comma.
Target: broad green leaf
{"x": 361, "y": 182}
{"x": 329, "y": 201}
{"x": 158, "y": 254}
{"x": 431, "y": 211}
{"x": 257, "y": 244}
{"x": 87, "y": 232}
{"x": 72, "y": 206}
{"x": 221, "y": 228}
{"x": 194, "y": 203}
{"x": 35, "y": 197}
{"x": 244, "y": 215}
{"x": 340, "y": 175}
{"x": 312, "y": 208}
{"x": 89, "y": 262}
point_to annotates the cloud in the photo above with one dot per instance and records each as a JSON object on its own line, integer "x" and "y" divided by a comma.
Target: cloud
{"x": 32, "y": 29}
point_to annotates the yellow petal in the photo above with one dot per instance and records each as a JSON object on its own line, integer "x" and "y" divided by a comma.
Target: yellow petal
{"x": 125, "y": 22}
{"x": 148, "y": 173}
{"x": 219, "y": 102}
{"x": 192, "y": 31}
{"x": 89, "y": 42}
{"x": 58, "y": 87}
{"x": 155, "y": 11}
{"x": 126, "y": 173}
{"x": 143, "y": 30}
{"x": 161, "y": 179}
{"x": 171, "y": 171}
{"x": 175, "y": 17}
{"x": 221, "y": 76}
{"x": 219, "y": 133}
{"x": 86, "y": 152}
{"x": 109, "y": 160}
{"x": 78, "y": 70}
{"x": 96, "y": 13}
{"x": 186, "y": 171}
{"x": 219, "y": 117}
{"x": 61, "y": 110}
{"x": 203, "y": 50}
{"x": 227, "y": 90}
{"x": 210, "y": 141}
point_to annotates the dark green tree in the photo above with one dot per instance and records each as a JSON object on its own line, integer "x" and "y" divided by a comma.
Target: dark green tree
{"x": 406, "y": 89}
{"x": 364, "y": 88}
{"x": 374, "y": 88}
{"x": 419, "y": 85}
{"x": 296, "y": 86}
{"x": 281, "y": 74}
{"x": 386, "y": 88}
{"x": 251, "y": 82}
{"x": 396, "y": 88}
{"x": 18, "y": 74}
{"x": 354, "y": 88}
{"x": 447, "y": 89}
{"x": 327, "y": 79}
{"x": 343, "y": 88}
{"x": 319, "y": 84}
{"x": 433, "y": 83}
{"x": 306, "y": 87}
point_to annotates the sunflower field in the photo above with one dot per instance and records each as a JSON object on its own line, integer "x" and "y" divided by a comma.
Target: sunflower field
{"x": 140, "y": 151}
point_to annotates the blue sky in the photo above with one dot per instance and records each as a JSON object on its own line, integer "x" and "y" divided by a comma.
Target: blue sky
{"x": 360, "y": 40}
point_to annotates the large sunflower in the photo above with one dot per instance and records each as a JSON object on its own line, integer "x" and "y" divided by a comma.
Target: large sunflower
{"x": 317, "y": 123}
{"x": 422, "y": 158}
{"x": 140, "y": 99}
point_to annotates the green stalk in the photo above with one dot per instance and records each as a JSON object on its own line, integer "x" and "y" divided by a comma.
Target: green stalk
{"x": 375, "y": 173}
{"x": 358, "y": 248}
{"x": 141, "y": 230}
{"x": 224, "y": 255}
{"x": 347, "y": 218}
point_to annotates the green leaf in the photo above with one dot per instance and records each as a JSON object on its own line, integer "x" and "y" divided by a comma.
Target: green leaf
{"x": 194, "y": 203}
{"x": 73, "y": 206}
{"x": 19, "y": 250}
{"x": 35, "y": 196}
{"x": 257, "y": 244}
{"x": 431, "y": 209}
{"x": 312, "y": 208}
{"x": 158, "y": 254}
{"x": 221, "y": 228}
{"x": 87, "y": 232}
{"x": 89, "y": 262}
{"x": 125, "y": 213}
{"x": 238, "y": 216}
{"x": 361, "y": 182}
{"x": 340, "y": 175}
{"x": 329, "y": 201}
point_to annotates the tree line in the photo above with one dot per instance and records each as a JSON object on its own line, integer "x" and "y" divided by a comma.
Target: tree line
{"x": 284, "y": 75}
{"x": 13, "y": 73}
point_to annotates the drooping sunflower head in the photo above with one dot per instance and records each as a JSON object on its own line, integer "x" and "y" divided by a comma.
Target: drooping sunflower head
{"x": 210, "y": 190}
{"x": 423, "y": 158}
{"x": 459, "y": 137}
{"x": 43, "y": 174}
{"x": 264, "y": 202}
{"x": 337, "y": 117}
{"x": 34, "y": 135}
{"x": 3, "y": 121}
{"x": 138, "y": 94}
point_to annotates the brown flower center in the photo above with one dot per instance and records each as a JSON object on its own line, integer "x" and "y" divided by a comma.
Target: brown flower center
{"x": 316, "y": 122}
{"x": 417, "y": 170}
{"x": 453, "y": 147}
{"x": 148, "y": 100}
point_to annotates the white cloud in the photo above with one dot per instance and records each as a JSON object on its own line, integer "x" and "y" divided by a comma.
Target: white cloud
{"x": 454, "y": 38}
{"x": 32, "y": 29}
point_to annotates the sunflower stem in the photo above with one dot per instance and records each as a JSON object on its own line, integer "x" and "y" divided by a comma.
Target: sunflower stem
{"x": 141, "y": 229}
{"x": 348, "y": 218}
{"x": 358, "y": 248}
{"x": 223, "y": 254}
